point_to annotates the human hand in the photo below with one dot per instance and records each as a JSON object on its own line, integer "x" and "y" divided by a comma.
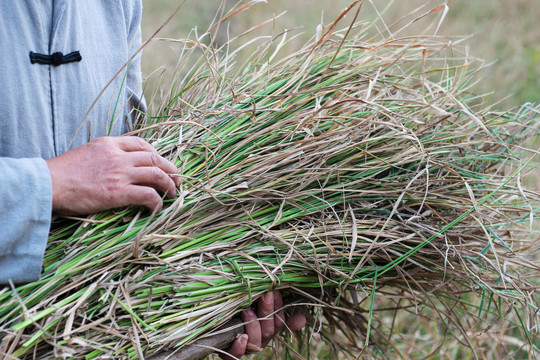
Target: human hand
{"x": 110, "y": 172}
{"x": 262, "y": 327}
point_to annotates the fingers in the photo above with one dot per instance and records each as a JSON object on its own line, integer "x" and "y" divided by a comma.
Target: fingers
{"x": 144, "y": 154}
{"x": 237, "y": 349}
{"x": 265, "y": 312}
{"x": 152, "y": 159}
{"x": 260, "y": 328}
{"x": 148, "y": 169}
{"x": 141, "y": 195}
{"x": 295, "y": 322}
{"x": 155, "y": 178}
{"x": 252, "y": 327}
{"x": 132, "y": 143}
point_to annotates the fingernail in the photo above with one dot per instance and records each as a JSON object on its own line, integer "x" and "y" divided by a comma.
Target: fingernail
{"x": 268, "y": 298}
{"x": 250, "y": 312}
{"x": 243, "y": 340}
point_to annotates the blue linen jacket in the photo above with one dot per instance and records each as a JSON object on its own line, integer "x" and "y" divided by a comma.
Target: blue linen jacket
{"x": 46, "y": 108}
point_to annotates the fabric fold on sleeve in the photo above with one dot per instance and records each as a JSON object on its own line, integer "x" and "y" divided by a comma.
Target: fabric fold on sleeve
{"x": 136, "y": 101}
{"x": 25, "y": 218}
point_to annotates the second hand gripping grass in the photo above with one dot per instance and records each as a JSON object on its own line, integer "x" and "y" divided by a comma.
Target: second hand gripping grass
{"x": 355, "y": 169}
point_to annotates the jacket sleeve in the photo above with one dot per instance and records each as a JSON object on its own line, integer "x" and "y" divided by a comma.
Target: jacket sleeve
{"x": 25, "y": 218}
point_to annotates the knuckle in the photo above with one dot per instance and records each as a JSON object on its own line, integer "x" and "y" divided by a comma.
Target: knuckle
{"x": 99, "y": 140}
{"x": 154, "y": 159}
{"x": 140, "y": 143}
{"x": 156, "y": 174}
{"x": 109, "y": 155}
{"x": 105, "y": 149}
{"x": 103, "y": 141}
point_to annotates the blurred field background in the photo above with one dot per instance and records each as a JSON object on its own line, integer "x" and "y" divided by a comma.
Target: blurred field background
{"x": 503, "y": 33}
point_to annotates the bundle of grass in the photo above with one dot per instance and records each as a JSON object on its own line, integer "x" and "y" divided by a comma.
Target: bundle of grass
{"x": 354, "y": 170}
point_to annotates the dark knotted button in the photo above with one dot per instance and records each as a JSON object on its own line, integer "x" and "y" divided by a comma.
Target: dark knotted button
{"x": 57, "y": 58}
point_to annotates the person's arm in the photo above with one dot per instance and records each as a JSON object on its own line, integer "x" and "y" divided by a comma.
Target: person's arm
{"x": 106, "y": 173}
{"x": 25, "y": 216}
